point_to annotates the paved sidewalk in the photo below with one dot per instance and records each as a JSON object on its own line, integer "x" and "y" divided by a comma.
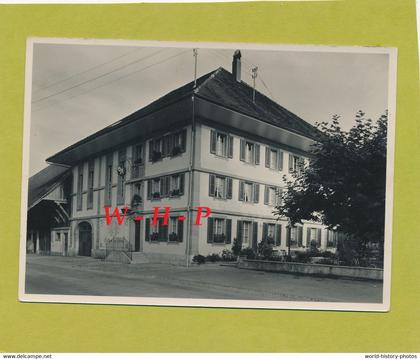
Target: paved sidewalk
{"x": 88, "y": 276}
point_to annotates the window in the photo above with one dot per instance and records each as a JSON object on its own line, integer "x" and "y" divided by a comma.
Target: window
{"x": 332, "y": 238}
{"x": 246, "y": 232}
{"x": 221, "y": 144}
{"x": 166, "y": 186}
{"x": 155, "y": 150}
{"x": 272, "y": 233}
{"x": 90, "y": 184}
{"x": 108, "y": 179}
{"x": 220, "y": 187}
{"x": 80, "y": 188}
{"x": 294, "y": 236}
{"x": 219, "y": 230}
{"x": 249, "y": 191}
{"x": 296, "y": 164}
{"x": 313, "y": 237}
{"x": 272, "y": 195}
{"x": 177, "y": 143}
{"x": 137, "y": 160}
{"x": 249, "y": 152}
{"x": 273, "y": 159}
{"x": 171, "y": 233}
{"x": 58, "y": 236}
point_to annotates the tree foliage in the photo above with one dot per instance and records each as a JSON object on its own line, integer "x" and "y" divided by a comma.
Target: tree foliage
{"x": 343, "y": 185}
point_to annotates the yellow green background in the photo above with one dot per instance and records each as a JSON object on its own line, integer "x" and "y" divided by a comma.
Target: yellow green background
{"x": 36, "y": 327}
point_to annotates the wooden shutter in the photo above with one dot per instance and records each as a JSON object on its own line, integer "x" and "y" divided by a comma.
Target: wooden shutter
{"x": 279, "y": 196}
{"x": 212, "y": 141}
{"x": 149, "y": 189}
{"x": 318, "y": 237}
{"x": 308, "y": 237}
{"x": 239, "y": 230}
{"x": 299, "y": 235}
{"x": 242, "y": 150}
{"x": 182, "y": 184}
{"x": 257, "y": 154}
{"x": 228, "y": 187}
{"x": 256, "y": 192}
{"x": 165, "y": 146}
{"x": 280, "y": 160}
{"x": 264, "y": 232}
{"x": 150, "y": 150}
{"x": 210, "y": 230}
{"x": 267, "y": 156}
{"x": 277, "y": 235}
{"x": 167, "y": 185}
{"x": 241, "y": 190}
{"x": 212, "y": 179}
{"x": 183, "y": 140}
{"x": 288, "y": 235}
{"x": 228, "y": 231}
{"x": 266, "y": 194}
{"x": 147, "y": 230}
{"x": 180, "y": 231}
{"x": 163, "y": 186}
{"x": 290, "y": 162}
{"x": 254, "y": 235}
{"x": 230, "y": 146}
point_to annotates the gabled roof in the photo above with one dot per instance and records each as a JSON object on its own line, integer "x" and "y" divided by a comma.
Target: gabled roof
{"x": 43, "y": 182}
{"x": 221, "y": 88}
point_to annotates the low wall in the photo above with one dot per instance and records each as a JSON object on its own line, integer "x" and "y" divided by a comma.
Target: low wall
{"x": 312, "y": 269}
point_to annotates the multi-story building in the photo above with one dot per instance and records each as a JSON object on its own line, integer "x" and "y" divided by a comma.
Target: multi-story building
{"x": 215, "y": 142}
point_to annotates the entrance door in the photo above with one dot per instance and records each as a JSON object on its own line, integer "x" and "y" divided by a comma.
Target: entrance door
{"x": 66, "y": 244}
{"x": 137, "y": 236}
{"x": 85, "y": 239}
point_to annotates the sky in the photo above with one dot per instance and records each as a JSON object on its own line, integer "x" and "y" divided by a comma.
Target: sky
{"x": 80, "y": 89}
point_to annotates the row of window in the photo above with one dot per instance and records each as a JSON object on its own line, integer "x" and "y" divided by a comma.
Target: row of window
{"x": 173, "y": 232}
{"x": 166, "y": 186}
{"x": 167, "y": 146}
{"x": 221, "y": 144}
{"x": 219, "y": 231}
{"x": 221, "y": 187}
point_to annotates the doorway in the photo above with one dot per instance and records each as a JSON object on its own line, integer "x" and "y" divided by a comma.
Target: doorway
{"x": 85, "y": 239}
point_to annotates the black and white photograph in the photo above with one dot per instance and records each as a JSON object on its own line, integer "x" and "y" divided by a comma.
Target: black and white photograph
{"x": 208, "y": 174}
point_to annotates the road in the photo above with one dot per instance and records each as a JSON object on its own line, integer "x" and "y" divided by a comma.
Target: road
{"x": 88, "y": 276}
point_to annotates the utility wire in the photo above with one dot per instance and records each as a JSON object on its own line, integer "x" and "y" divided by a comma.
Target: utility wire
{"x": 117, "y": 79}
{"x": 87, "y": 70}
{"x": 96, "y": 78}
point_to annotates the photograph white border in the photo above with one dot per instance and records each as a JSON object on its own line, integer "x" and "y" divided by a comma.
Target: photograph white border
{"x": 187, "y": 302}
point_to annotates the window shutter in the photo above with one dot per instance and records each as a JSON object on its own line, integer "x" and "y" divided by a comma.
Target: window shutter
{"x": 162, "y": 186}
{"x": 165, "y": 146}
{"x": 257, "y": 154}
{"x": 254, "y": 235}
{"x": 150, "y": 150}
{"x": 279, "y": 196}
{"x": 290, "y": 162}
{"x": 183, "y": 140}
{"x": 256, "y": 194}
{"x": 230, "y": 147}
{"x": 266, "y": 193}
{"x": 239, "y": 230}
{"x": 149, "y": 189}
{"x": 228, "y": 231}
{"x": 299, "y": 235}
{"x": 210, "y": 230}
{"x": 318, "y": 237}
{"x": 278, "y": 235}
{"x": 288, "y": 235}
{"x": 212, "y": 141}
{"x": 228, "y": 187}
{"x": 241, "y": 190}
{"x": 147, "y": 229}
{"x": 242, "y": 151}
{"x": 308, "y": 237}
{"x": 265, "y": 230}
{"x": 280, "y": 160}
{"x": 212, "y": 179}
{"x": 267, "y": 156}
{"x": 180, "y": 231}
{"x": 182, "y": 184}
{"x": 167, "y": 185}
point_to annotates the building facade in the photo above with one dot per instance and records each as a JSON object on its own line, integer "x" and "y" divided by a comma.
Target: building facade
{"x": 216, "y": 143}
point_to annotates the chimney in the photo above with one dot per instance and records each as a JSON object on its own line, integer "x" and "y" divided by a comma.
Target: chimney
{"x": 236, "y": 66}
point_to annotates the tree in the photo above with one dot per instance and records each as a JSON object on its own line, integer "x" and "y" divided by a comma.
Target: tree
{"x": 343, "y": 185}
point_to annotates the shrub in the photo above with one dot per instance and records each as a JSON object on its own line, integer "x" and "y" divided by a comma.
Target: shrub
{"x": 265, "y": 249}
{"x": 248, "y": 252}
{"x": 213, "y": 258}
{"x": 237, "y": 246}
{"x": 228, "y": 256}
{"x": 199, "y": 259}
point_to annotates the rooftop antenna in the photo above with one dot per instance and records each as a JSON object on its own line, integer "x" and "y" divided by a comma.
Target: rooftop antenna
{"x": 254, "y": 75}
{"x": 195, "y": 54}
